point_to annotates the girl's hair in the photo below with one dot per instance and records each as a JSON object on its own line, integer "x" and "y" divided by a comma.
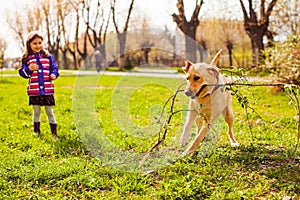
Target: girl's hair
{"x": 28, "y": 51}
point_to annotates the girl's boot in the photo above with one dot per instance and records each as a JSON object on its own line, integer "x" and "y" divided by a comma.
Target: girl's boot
{"x": 54, "y": 130}
{"x": 36, "y": 128}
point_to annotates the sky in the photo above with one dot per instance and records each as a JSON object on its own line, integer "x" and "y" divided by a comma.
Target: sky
{"x": 5, "y": 32}
{"x": 157, "y": 11}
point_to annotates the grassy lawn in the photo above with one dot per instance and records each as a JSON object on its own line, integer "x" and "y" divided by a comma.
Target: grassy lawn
{"x": 105, "y": 125}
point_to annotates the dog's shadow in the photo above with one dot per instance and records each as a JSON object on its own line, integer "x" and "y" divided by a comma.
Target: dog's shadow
{"x": 271, "y": 162}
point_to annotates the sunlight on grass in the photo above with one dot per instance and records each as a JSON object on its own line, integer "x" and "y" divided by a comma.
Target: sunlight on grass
{"x": 116, "y": 114}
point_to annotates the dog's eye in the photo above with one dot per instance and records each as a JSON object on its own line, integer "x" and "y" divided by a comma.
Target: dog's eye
{"x": 196, "y": 78}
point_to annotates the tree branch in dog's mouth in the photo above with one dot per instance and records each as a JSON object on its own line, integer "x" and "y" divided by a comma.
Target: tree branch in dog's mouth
{"x": 191, "y": 93}
{"x": 161, "y": 139}
{"x": 199, "y": 92}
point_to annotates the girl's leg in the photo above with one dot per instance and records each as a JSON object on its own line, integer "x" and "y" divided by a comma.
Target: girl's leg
{"x": 36, "y": 117}
{"x": 36, "y": 113}
{"x": 50, "y": 114}
{"x": 52, "y": 120}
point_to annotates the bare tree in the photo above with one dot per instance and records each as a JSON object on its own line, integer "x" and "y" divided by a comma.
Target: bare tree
{"x": 3, "y": 46}
{"x": 231, "y": 32}
{"x": 97, "y": 24}
{"x": 121, "y": 35}
{"x": 188, "y": 27}
{"x": 50, "y": 17}
{"x": 22, "y": 22}
{"x": 34, "y": 16}
{"x": 52, "y": 26}
{"x": 64, "y": 11}
{"x": 256, "y": 27}
{"x": 75, "y": 18}
{"x": 16, "y": 25}
{"x": 81, "y": 41}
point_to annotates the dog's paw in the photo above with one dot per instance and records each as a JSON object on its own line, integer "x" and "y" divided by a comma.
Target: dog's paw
{"x": 183, "y": 141}
{"x": 235, "y": 144}
{"x": 187, "y": 152}
{"x": 191, "y": 150}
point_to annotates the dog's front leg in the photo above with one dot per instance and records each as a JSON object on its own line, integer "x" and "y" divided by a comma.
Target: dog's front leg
{"x": 199, "y": 138}
{"x": 190, "y": 118}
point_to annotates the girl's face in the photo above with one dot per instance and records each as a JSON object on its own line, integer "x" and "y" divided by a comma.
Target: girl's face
{"x": 36, "y": 45}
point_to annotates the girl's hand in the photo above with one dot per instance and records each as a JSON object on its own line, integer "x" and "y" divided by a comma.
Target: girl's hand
{"x": 52, "y": 76}
{"x": 33, "y": 67}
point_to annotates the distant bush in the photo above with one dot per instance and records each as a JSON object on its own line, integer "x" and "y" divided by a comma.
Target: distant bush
{"x": 283, "y": 60}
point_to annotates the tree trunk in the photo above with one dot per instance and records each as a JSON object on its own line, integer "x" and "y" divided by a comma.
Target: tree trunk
{"x": 146, "y": 55}
{"x": 75, "y": 60}
{"x": 121, "y": 36}
{"x": 256, "y": 37}
{"x": 229, "y": 48}
{"x": 64, "y": 57}
{"x": 122, "y": 40}
{"x": 256, "y": 28}
{"x": 191, "y": 44}
{"x": 188, "y": 28}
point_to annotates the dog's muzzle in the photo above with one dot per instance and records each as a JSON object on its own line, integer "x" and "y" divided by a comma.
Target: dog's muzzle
{"x": 190, "y": 93}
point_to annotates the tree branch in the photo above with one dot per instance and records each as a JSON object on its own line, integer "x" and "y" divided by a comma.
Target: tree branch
{"x": 161, "y": 140}
{"x": 196, "y": 11}
{"x": 128, "y": 16}
{"x": 180, "y": 18}
{"x": 270, "y": 8}
{"x": 253, "y": 16}
{"x": 262, "y": 12}
{"x": 180, "y": 7}
{"x": 246, "y": 18}
{"x": 113, "y": 9}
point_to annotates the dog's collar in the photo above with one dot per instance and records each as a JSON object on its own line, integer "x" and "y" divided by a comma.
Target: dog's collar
{"x": 205, "y": 85}
{"x": 215, "y": 88}
{"x": 200, "y": 90}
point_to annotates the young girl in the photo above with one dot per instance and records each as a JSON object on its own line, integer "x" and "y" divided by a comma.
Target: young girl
{"x": 40, "y": 68}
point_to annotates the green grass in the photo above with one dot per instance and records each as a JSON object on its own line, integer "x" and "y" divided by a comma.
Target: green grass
{"x": 8, "y": 71}
{"x": 126, "y": 109}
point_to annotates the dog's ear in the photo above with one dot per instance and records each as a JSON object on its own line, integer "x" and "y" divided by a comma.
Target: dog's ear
{"x": 213, "y": 71}
{"x": 187, "y": 66}
{"x": 216, "y": 58}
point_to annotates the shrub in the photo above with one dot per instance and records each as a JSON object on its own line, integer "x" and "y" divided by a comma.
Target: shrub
{"x": 283, "y": 60}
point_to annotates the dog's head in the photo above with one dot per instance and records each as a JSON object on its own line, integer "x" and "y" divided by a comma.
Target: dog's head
{"x": 200, "y": 77}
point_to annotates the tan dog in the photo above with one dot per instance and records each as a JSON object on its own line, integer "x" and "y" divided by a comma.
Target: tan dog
{"x": 208, "y": 98}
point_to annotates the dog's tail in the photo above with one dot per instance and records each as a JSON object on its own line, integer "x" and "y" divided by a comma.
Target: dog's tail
{"x": 216, "y": 58}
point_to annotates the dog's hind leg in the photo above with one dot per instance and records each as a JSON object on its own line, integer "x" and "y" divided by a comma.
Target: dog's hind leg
{"x": 190, "y": 118}
{"x": 228, "y": 116}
